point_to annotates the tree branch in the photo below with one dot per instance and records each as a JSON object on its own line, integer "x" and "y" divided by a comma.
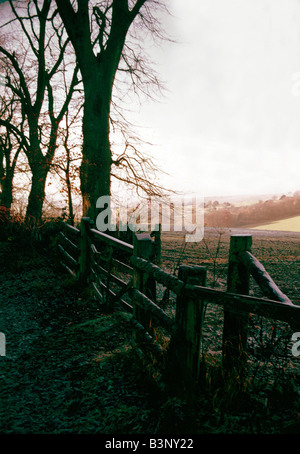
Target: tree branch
{"x": 16, "y": 131}
{"x": 15, "y": 64}
{"x": 136, "y": 9}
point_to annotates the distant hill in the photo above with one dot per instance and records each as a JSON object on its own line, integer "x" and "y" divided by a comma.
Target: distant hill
{"x": 227, "y": 214}
{"x": 244, "y": 199}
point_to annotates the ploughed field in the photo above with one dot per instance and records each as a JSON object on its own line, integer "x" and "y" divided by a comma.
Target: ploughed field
{"x": 269, "y": 341}
{"x": 279, "y": 252}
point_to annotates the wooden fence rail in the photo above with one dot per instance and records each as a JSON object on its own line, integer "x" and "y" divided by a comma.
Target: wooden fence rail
{"x": 126, "y": 274}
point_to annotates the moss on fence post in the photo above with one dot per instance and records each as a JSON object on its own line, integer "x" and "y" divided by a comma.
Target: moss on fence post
{"x": 235, "y": 330}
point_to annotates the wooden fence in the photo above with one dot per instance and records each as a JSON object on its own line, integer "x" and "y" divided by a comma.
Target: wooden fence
{"x": 130, "y": 276}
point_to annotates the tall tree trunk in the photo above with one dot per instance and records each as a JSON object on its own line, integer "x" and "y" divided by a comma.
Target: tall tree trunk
{"x": 96, "y": 163}
{"x": 7, "y": 176}
{"x": 6, "y": 197}
{"x": 40, "y": 166}
{"x": 37, "y": 194}
{"x": 69, "y": 192}
{"x": 98, "y": 74}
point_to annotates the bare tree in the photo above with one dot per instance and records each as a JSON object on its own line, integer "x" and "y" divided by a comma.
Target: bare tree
{"x": 9, "y": 153}
{"x": 67, "y": 161}
{"x": 34, "y": 69}
{"x": 106, "y": 36}
{"x": 10, "y": 145}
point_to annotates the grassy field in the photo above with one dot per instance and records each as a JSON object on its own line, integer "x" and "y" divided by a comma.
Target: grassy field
{"x": 284, "y": 225}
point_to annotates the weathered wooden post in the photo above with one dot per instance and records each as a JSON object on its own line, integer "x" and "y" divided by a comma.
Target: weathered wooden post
{"x": 142, "y": 247}
{"x": 157, "y": 244}
{"x": 85, "y": 254}
{"x": 186, "y": 342}
{"x": 236, "y": 326}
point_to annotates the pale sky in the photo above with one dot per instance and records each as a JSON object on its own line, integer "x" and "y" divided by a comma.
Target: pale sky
{"x": 230, "y": 123}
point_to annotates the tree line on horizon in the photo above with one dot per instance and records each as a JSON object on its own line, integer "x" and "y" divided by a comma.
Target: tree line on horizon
{"x": 227, "y": 215}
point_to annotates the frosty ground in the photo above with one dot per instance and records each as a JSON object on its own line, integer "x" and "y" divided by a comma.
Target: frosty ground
{"x": 71, "y": 368}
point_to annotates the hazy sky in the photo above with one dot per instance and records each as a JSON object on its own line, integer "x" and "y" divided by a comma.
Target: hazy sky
{"x": 230, "y": 123}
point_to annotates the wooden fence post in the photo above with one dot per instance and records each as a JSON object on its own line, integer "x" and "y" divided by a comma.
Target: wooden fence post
{"x": 85, "y": 254}
{"x": 142, "y": 247}
{"x": 236, "y": 326}
{"x": 186, "y": 343}
{"x": 157, "y": 244}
